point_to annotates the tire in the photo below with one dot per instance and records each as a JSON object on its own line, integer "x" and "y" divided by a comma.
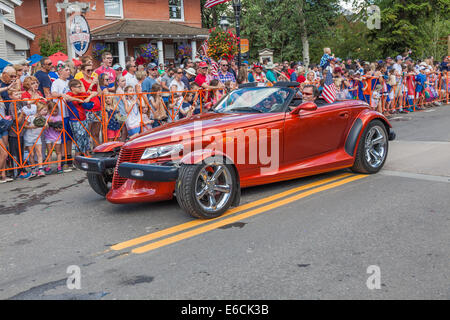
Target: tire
{"x": 203, "y": 196}
{"x": 99, "y": 183}
{"x": 372, "y": 149}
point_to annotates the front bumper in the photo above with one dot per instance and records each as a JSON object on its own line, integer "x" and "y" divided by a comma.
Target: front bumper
{"x": 148, "y": 172}
{"x": 95, "y": 165}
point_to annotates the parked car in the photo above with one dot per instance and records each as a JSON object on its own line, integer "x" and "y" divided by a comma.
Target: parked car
{"x": 206, "y": 159}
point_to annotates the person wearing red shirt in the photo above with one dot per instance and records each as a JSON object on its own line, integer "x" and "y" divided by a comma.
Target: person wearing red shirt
{"x": 78, "y": 103}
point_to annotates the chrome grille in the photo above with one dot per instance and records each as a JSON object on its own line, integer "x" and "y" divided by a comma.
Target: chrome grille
{"x": 126, "y": 155}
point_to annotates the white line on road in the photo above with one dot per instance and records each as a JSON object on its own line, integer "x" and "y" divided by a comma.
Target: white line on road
{"x": 416, "y": 176}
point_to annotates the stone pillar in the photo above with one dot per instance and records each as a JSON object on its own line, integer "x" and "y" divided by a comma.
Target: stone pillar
{"x": 194, "y": 49}
{"x": 160, "y": 52}
{"x": 121, "y": 45}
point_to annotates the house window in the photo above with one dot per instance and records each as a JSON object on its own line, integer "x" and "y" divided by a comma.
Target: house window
{"x": 176, "y": 10}
{"x": 113, "y": 8}
{"x": 44, "y": 11}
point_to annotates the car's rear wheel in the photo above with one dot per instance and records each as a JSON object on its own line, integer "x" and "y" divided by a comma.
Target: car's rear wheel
{"x": 372, "y": 149}
{"x": 206, "y": 190}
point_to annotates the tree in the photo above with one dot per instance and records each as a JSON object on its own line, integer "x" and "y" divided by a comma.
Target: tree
{"x": 402, "y": 24}
{"x": 49, "y": 46}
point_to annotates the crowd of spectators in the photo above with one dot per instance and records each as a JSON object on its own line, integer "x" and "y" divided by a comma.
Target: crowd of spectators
{"x": 63, "y": 108}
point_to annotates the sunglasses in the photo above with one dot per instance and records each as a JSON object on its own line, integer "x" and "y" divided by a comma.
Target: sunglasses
{"x": 88, "y": 70}
{"x": 49, "y": 64}
{"x": 224, "y": 65}
{"x": 307, "y": 93}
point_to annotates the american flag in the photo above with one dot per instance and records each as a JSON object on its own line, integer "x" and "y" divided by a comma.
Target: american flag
{"x": 204, "y": 48}
{"x": 212, "y": 3}
{"x": 329, "y": 92}
{"x": 214, "y": 68}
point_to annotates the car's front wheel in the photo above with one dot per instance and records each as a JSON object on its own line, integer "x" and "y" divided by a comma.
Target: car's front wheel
{"x": 206, "y": 190}
{"x": 372, "y": 149}
{"x": 100, "y": 183}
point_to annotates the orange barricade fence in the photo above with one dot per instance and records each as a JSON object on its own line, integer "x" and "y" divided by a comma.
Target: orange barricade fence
{"x": 64, "y": 131}
{"x": 403, "y": 94}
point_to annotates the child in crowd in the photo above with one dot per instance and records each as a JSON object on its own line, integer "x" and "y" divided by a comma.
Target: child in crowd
{"x": 32, "y": 138}
{"x": 113, "y": 129}
{"x": 147, "y": 116}
{"x": 375, "y": 102}
{"x": 53, "y": 136}
{"x": 187, "y": 108}
{"x": 133, "y": 121}
{"x": 160, "y": 114}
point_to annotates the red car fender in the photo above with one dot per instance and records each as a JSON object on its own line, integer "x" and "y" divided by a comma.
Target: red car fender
{"x": 358, "y": 127}
{"x": 198, "y": 156}
{"x": 108, "y": 146}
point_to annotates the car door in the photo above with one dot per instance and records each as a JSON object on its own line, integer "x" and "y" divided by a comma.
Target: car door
{"x": 312, "y": 133}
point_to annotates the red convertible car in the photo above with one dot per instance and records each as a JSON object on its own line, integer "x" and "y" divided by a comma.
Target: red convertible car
{"x": 253, "y": 136}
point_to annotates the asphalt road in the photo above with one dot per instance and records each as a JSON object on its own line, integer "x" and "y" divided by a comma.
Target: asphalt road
{"x": 311, "y": 238}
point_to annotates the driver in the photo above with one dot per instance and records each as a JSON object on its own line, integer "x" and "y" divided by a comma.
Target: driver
{"x": 310, "y": 93}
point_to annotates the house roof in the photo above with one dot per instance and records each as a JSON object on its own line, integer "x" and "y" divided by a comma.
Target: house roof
{"x": 127, "y": 28}
{"x": 17, "y": 28}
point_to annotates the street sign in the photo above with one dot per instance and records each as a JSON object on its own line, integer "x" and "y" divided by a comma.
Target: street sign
{"x": 245, "y": 46}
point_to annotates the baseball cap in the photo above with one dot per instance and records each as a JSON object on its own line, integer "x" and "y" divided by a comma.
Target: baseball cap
{"x": 203, "y": 64}
{"x": 198, "y": 60}
{"x": 399, "y": 57}
{"x": 117, "y": 67}
{"x": 245, "y": 62}
{"x": 191, "y": 71}
{"x": 151, "y": 66}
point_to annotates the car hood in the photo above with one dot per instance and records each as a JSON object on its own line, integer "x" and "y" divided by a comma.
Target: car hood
{"x": 197, "y": 125}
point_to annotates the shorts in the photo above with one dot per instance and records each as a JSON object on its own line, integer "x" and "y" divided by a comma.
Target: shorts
{"x": 53, "y": 141}
{"x": 81, "y": 136}
{"x": 68, "y": 134}
{"x": 94, "y": 116}
{"x": 4, "y": 134}
{"x": 30, "y": 142}
{"x": 113, "y": 134}
{"x": 134, "y": 131}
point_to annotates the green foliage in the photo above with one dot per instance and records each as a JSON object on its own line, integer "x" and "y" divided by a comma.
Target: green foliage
{"x": 419, "y": 25}
{"x": 49, "y": 46}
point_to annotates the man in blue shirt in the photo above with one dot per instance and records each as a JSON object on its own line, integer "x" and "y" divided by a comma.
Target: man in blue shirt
{"x": 152, "y": 72}
{"x": 45, "y": 83}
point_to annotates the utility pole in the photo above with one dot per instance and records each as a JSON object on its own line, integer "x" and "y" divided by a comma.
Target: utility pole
{"x": 69, "y": 9}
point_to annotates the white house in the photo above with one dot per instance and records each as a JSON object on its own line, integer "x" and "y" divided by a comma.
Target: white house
{"x": 14, "y": 40}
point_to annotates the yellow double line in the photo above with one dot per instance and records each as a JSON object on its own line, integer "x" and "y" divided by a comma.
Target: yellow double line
{"x": 315, "y": 187}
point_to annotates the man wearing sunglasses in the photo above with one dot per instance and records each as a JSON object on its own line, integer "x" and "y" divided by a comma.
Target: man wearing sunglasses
{"x": 105, "y": 67}
{"x": 224, "y": 74}
{"x": 45, "y": 83}
{"x": 8, "y": 78}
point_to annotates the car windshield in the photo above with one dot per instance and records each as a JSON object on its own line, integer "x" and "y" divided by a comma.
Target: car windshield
{"x": 254, "y": 100}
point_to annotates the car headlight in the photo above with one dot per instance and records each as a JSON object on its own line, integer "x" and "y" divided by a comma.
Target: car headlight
{"x": 163, "y": 151}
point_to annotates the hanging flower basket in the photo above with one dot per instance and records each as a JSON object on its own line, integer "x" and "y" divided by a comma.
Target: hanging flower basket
{"x": 149, "y": 51}
{"x": 222, "y": 44}
{"x": 184, "y": 51}
{"x": 98, "y": 50}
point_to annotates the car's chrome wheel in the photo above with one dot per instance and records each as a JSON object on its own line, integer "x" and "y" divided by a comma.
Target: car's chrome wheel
{"x": 213, "y": 187}
{"x": 375, "y": 146}
{"x": 372, "y": 149}
{"x": 206, "y": 190}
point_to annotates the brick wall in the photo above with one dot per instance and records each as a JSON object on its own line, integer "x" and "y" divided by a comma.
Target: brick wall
{"x": 28, "y": 15}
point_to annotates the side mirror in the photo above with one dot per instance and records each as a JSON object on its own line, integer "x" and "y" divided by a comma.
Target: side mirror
{"x": 307, "y": 106}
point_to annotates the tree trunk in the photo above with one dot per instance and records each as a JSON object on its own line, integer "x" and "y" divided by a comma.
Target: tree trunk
{"x": 303, "y": 35}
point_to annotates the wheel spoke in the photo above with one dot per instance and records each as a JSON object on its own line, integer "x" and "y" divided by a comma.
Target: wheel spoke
{"x": 217, "y": 173}
{"x": 212, "y": 201}
{"x": 202, "y": 192}
{"x": 375, "y": 154}
{"x": 378, "y": 140}
{"x": 222, "y": 188}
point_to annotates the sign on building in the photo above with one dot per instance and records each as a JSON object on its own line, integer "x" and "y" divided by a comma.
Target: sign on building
{"x": 79, "y": 34}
